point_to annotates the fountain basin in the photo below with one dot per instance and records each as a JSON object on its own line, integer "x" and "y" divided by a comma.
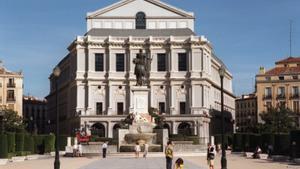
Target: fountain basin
{"x": 141, "y": 138}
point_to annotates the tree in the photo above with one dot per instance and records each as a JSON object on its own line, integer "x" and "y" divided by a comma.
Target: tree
{"x": 12, "y": 121}
{"x": 278, "y": 120}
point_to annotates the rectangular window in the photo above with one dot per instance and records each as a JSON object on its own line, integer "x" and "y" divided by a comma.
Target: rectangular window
{"x": 182, "y": 62}
{"x": 162, "y": 107}
{"x": 182, "y": 108}
{"x": 281, "y": 91}
{"x": 295, "y": 91}
{"x": 10, "y": 95}
{"x": 296, "y": 106}
{"x": 99, "y": 108}
{"x": 268, "y": 78}
{"x": 161, "y": 62}
{"x": 99, "y": 62}
{"x": 268, "y": 92}
{"x": 120, "y": 107}
{"x": 281, "y": 77}
{"x": 295, "y": 77}
{"x": 120, "y": 62}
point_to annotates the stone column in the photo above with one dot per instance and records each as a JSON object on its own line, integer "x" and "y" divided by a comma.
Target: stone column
{"x": 110, "y": 99}
{"x": 174, "y": 127}
{"x": 172, "y": 100}
{"x": 109, "y": 130}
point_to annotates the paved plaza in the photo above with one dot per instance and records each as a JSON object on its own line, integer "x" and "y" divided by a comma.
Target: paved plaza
{"x": 129, "y": 162}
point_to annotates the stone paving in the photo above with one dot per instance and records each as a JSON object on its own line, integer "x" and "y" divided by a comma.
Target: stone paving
{"x": 133, "y": 163}
{"x": 156, "y": 161}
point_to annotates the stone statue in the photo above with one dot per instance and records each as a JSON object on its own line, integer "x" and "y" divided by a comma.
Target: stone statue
{"x": 142, "y": 68}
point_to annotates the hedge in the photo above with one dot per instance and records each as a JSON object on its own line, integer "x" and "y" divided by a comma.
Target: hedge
{"x": 179, "y": 137}
{"x": 11, "y": 142}
{"x": 49, "y": 141}
{"x": 249, "y": 142}
{"x": 19, "y": 142}
{"x": 28, "y": 143}
{"x": 281, "y": 144}
{"x": 39, "y": 145}
{"x": 295, "y": 137}
{"x": 63, "y": 141}
{"x": 3, "y": 146}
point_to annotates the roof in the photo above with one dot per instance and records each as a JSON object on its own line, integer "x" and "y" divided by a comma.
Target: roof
{"x": 140, "y": 32}
{"x": 155, "y": 2}
{"x": 6, "y": 72}
{"x": 283, "y": 70}
{"x": 289, "y": 60}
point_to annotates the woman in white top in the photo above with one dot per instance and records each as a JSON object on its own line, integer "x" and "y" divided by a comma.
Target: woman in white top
{"x": 137, "y": 149}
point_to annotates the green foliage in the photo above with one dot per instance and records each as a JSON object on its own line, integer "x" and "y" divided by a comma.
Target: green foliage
{"x": 228, "y": 139}
{"x": 19, "y": 141}
{"x": 237, "y": 142}
{"x": 63, "y": 141}
{"x": 12, "y": 121}
{"x": 179, "y": 137}
{"x": 49, "y": 141}
{"x": 295, "y": 137}
{"x": 110, "y": 141}
{"x": 3, "y": 146}
{"x": 11, "y": 141}
{"x": 39, "y": 144}
{"x": 22, "y": 153}
{"x": 28, "y": 143}
{"x": 278, "y": 120}
{"x": 281, "y": 144}
{"x": 158, "y": 119}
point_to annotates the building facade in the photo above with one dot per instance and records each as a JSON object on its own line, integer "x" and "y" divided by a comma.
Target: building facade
{"x": 246, "y": 112}
{"x": 35, "y": 114}
{"x": 11, "y": 90}
{"x": 94, "y": 87}
{"x": 279, "y": 86}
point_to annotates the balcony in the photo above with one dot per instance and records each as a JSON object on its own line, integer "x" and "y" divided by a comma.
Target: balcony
{"x": 11, "y": 85}
{"x": 267, "y": 97}
{"x": 295, "y": 96}
{"x": 11, "y": 99}
{"x": 280, "y": 97}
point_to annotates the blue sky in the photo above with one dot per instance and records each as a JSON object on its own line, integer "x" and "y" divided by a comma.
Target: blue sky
{"x": 246, "y": 34}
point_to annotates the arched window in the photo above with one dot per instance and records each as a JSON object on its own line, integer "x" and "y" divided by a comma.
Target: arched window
{"x": 140, "y": 20}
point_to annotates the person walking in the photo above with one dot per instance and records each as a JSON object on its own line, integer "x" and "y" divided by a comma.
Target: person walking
{"x": 146, "y": 148}
{"x": 169, "y": 155}
{"x": 104, "y": 149}
{"x": 137, "y": 149}
{"x": 211, "y": 153}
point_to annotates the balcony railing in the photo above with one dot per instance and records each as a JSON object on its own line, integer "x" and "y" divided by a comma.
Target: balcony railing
{"x": 11, "y": 99}
{"x": 280, "y": 96}
{"x": 11, "y": 85}
{"x": 267, "y": 97}
{"x": 295, "y": 96}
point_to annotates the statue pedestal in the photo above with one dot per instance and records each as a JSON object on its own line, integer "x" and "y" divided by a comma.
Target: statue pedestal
{"x": 140, "y": 99}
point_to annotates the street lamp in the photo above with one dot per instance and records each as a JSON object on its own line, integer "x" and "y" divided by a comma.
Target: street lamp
{"x": 2, "y": 121}
{"x": 56, "y": 73}
{"x": 249, "y": 123}
{"x": 223, "y": 159}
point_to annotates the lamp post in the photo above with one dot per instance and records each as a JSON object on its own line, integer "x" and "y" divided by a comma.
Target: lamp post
{"x": 223, "y": 159}
{"x": 56, "y": 73}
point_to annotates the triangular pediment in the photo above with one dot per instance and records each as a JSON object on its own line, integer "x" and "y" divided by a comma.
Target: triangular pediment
{"x": 129, "y": 8}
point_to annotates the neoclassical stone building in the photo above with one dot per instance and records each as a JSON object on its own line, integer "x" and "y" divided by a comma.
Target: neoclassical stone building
{"x": 11, "y": 90}
{"x": 98, "y": 73}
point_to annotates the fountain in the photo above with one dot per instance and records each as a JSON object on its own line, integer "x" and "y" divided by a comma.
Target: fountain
{"x": 141, "y": 125}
